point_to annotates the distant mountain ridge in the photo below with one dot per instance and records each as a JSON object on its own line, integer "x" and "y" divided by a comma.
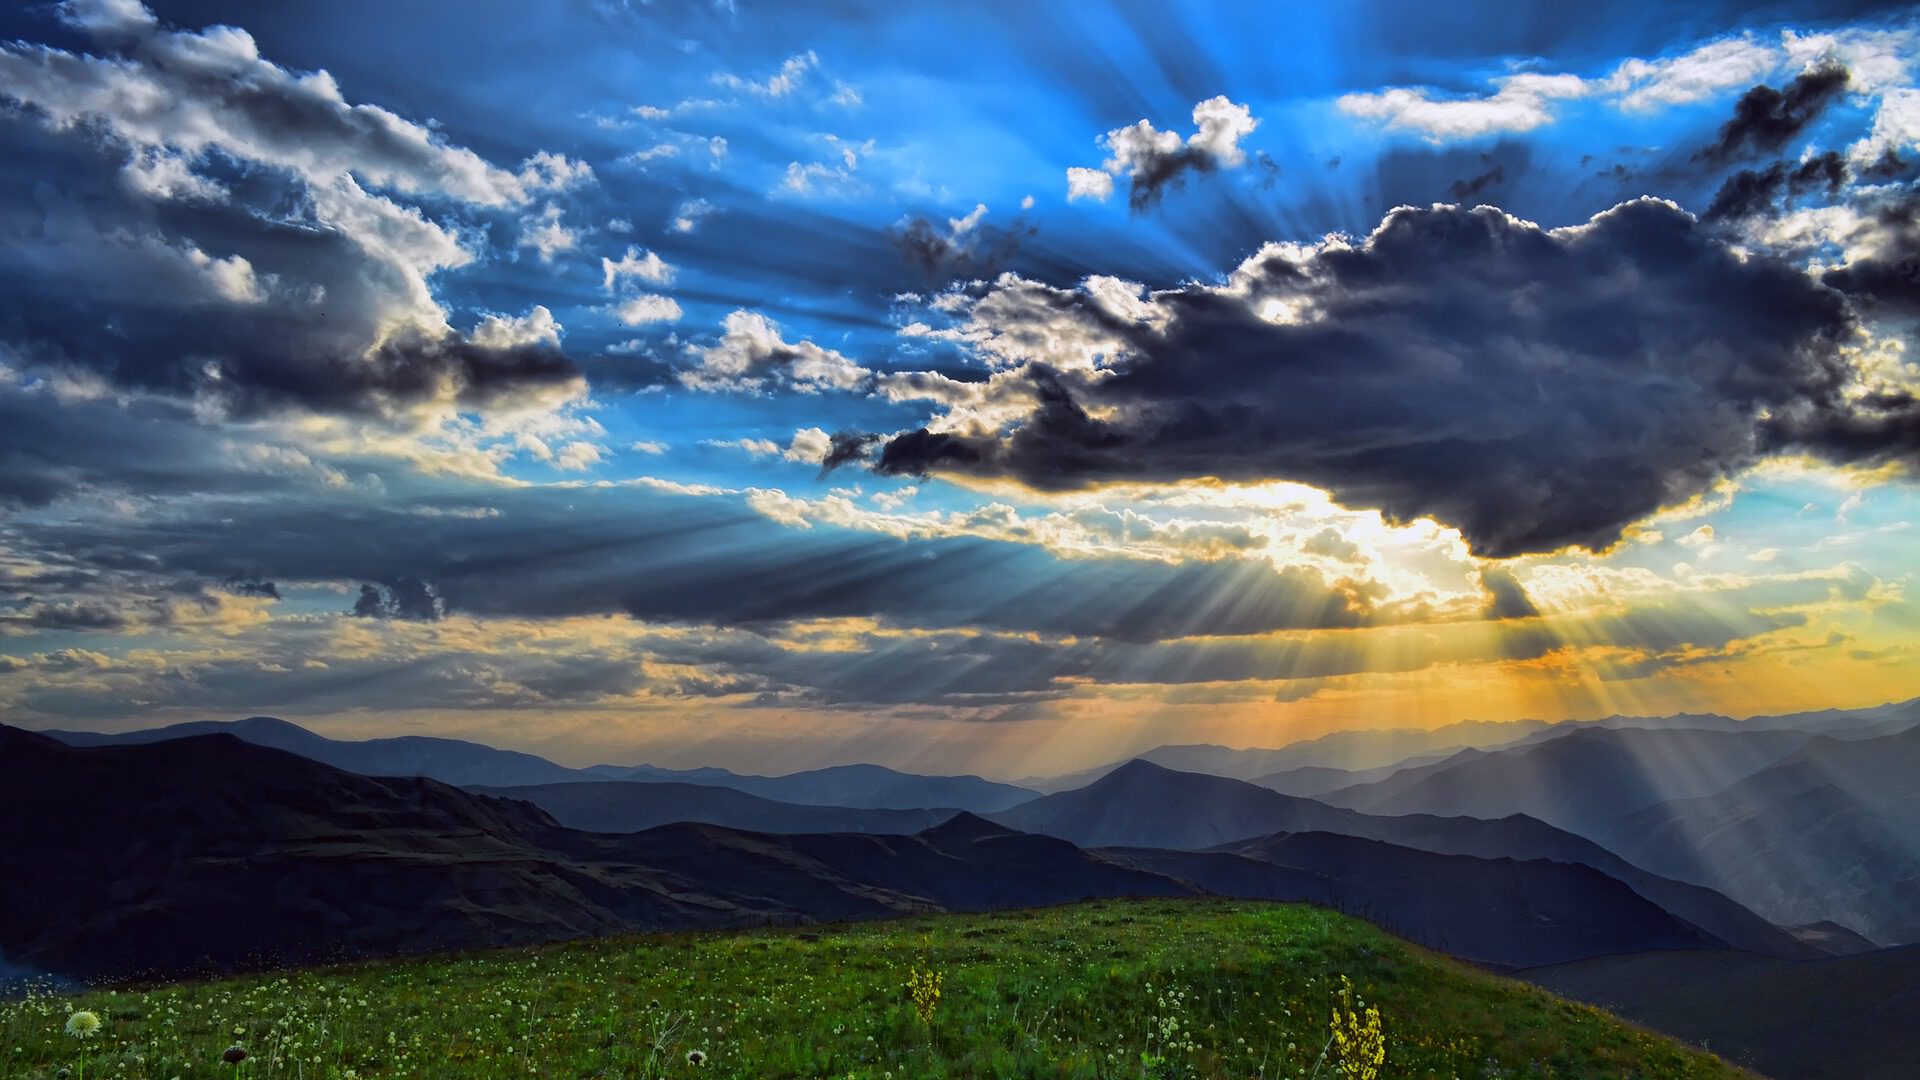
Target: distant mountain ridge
{"x": 470, "y": 764}
{"x": 1129, "y": 808}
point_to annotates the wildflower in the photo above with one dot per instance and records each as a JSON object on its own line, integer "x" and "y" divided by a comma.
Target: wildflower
{"x": 696, "y": 1058}
{"x": 234, "y": 1054}
{"x": 83, "y": 1024}
{"x": 924, "y": 988}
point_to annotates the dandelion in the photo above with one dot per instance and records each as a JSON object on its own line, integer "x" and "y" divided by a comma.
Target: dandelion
{"x": 84, "y": 1024}
{"x": 696, "y": 1058}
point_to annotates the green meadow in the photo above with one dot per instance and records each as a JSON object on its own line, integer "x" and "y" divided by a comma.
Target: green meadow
{"x": 1158, "y": 989}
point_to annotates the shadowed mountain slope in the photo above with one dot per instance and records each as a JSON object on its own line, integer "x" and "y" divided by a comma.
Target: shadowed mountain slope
{"x": 630, "y": 806}
{"x": 1142, "y": 805}
{"x": 1830, "y": 832}
{"x": 1845, "y": 1018}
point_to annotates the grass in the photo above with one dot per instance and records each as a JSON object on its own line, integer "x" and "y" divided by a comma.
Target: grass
{"x": 1113, "y": 989}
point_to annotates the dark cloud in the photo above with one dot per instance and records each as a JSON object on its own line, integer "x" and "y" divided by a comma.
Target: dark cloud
{"x": 258, "y": 589}
{"x": 1158, "y": 171}
{"x": 1757, "y": 192}
{"x": 405, "y": 598}
{"x": 845, "y": 447}
{"x": 1764, "y": 118}
{"x": 1887, "y": 281}
{"x": 941, "y": 255}
{"x": 1533, "y": 389}
{"x": 690, "y": 560}
{"x": 1462, "y": 190}
{"x": 1506, "y": 598}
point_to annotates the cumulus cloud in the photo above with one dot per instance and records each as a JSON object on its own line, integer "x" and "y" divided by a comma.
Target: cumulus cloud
{"x": 751, "y": 355}
{"x": 1153, "y": 160}
{"x": 318, "y": 229}
{"x": 647, "y": 308}
{"x": 636, "y": 264}
{"x": 1456, "y": 364}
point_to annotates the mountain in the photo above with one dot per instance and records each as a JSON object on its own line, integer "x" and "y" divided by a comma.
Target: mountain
{"x": 1501, "y": 912}
{"x": 1142, "y": 805}
{"x": 1584, "y": 781}
{"x": 1846, "y": 1018}
{"x": 450, "y": 761}
{"x": 207, "y": 853}
{"x": 1832, "y": 831}
{"x": 626, "y": 806}
{"x": 1311, "y": 781}
{"x": 468, "y": 764}
{"x": 870, "y": 787}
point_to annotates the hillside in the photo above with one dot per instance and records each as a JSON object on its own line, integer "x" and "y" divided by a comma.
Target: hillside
{"x": 1849, "y": 1018}
{"x": 1213, "y": 989}
{"x": 631, "y": 806}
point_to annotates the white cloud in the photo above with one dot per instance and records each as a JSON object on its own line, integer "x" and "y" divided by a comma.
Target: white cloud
{"x": 688, "y": 215}
{"x": 1521, "y": 103}
{"x": 1151, "y": 157}
{"x": 781, "y": 83}
{"x": 536, "y": 327}
{"x": 636, "y": 263}
{"x": 547, "y": 234}
{"x": 1896, "y": 127}
{"x": 546, "y": 171}
{"x": 648, "y": 308}
{"x": 750, "y": 353}
{"x": 810, "y": 446}
{"x": 1084, "y": 183}
{"x": 1878, "y": 62}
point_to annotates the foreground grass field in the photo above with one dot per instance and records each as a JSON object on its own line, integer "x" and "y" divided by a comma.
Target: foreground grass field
{"x": 1101, "y": 990}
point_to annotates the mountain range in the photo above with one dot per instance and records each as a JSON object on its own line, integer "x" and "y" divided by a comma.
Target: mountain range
{"x": 470, "y": 764}
{"x": 207, "y": 852}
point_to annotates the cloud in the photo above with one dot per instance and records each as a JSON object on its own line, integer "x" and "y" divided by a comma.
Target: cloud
{"x": 1520, "y": 102}
{"x": 547, "y": 234}
{"x": 188, "y": 93}
{"x": 1765, "y": 118}
{"x": 1456, "y": 364}
{"x": 237, "y": 223}
{"x": 1152, "y": 160}
{"x": 647, "y": 308}
{"x": 1506, "y": 598}
{"x": 751, "y": 355}
{"x": 1757, "y": 192}
{"x": 688, "y": 215}
{"x": 778, "y": 85}
{"x": 636, "y": 263}
{"x": 1462, "y": 190}
{"x": 1529, "y": 99}
{"x": 966, "y": 248}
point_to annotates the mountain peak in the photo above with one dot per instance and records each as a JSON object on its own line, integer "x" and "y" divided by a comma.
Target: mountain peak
{"x": 966, "y": 827}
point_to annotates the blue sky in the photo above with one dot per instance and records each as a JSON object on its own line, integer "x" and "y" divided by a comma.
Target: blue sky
{"x": 996, "y": 384}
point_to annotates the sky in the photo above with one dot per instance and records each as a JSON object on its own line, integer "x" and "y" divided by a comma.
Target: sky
{"x": 995, "y": 388}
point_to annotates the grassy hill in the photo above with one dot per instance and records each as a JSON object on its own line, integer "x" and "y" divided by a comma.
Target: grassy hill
{"x": 1156, "y": 988}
